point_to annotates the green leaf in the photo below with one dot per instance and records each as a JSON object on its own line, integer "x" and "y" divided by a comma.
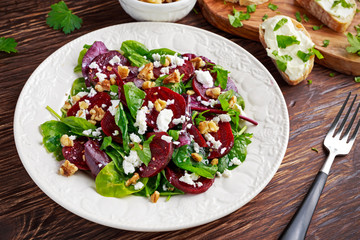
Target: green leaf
{"x": 198, "y": 117}
{"x": 137, "y": 60}
{"x": 111, "y": 183}
{"x": 8, "y": 45}
{"x": 144, "y": 153}
{"x": 272, "y": 6}
{"x": 60, "y": 17}
{"x": 357, "y": 79}
{"x": 224, "y": 99}
{"x": 134, "y": 98}
{"x": 151, "y": 186}
{"x": 304, "y": 56}
{"x": 354, "y": 44}
{"x": 316, "y": 52}
{"x": 82, "y": 53}
{"x": 326, "y": 43}
{"x": 251, "y": 8}
{"x": 78, "y": 86}
{"x": 357, "y": 28}
{"x": 306, "y": 18}
{"x": 174, "y": 134}
{"x": 235, "y": 22}
{"x": 298, "y": 16}
{"x": 117, "y": 155}
{"x": 122, "y": 122}
{"x": 78, "y": 125}
{"x": 280, "y": 23}
{"x": 285, "y": 41}
{"x": 106, "y": 142}
{"x": 265, "y": 17}
{"x": 221, "y": 76}
{"x": 237, "y": 17}
{"x": 315, "y": 28}
{"x": 343, "y": 3}
{"x": 131, "y": 47}
{"x": 331, "y": 74}
{"x": 281, "y": 61}
{"x": 309, "y": 81}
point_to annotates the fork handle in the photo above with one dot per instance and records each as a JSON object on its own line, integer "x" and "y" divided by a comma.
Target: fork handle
{"x": 300, "y": 222}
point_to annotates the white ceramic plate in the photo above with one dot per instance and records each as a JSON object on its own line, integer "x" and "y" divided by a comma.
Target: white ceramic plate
{"x": 265, "y": 103}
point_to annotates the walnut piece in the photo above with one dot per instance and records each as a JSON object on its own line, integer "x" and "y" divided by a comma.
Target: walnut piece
{"x": 66, "y": 141}
{"x": 123, "y": 71}
{"x": 197, "y": 62}
{"x": 147, "y": 72}
{"x": 97, "y": 113}
{"x": 232, "y": 101}
{"x": 132, "y": 180}
{"x": 214, "y": 93}
{"x": 159, "y": 104}
{"x": 83, "y": 105}
{"x": 207, "y": 127}
{"x": 75, "y": 99}
{"x": 215, "y": 161}
{"x": 173, "y": 77}
{"x": 148, "y": 84}
{"x": 197, "y": 157}
{"x": 190, "y": 92}
{"x": 109, "y": 68}
{"x": 103, "y": 86}
{"x": 155, "y": 197}
{"x": 67, "y": 169}
{"x": 67, "y": 105}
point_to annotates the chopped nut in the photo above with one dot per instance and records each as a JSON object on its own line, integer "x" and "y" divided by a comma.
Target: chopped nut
{"x": 173, "y": 77}
{"x": 190, "y": 92}
{"x": 66, "y": 141}
{"x": 208, "y": 126}
{"x": 83, "y": 105}
{"x": 75, "y": 99}
{"x": 215, "y": 161}
{"x": 197, "y": 157}
{"x": 92, "y": 122}
{"x": 232, "y": 102}
{"x": 103, "y": 86}
{"x": 159, "y": 104}
{"x": 123, "y": 71}
{"x": 109, "y": 68}
{"x": 155, "y": 197}
{"x": 197, "y": 62}
{"x": 112, "y": 81}
{"x": 67, "y": 105}
{"x": 147, "y": 72}
{"x": 148, "y": 84}
{"x": 167, "y": 62}
{"x": 213, "y": 92}
{"x": 132, "y": 180}
{"x": 67, "y": 169}
{"x": 97, "y": 113}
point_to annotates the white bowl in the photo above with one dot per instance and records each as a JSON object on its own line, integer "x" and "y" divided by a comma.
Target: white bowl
{"x": 167, "y": 12}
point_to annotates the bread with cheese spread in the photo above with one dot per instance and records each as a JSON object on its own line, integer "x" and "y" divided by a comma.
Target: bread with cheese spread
{"x": 336, "y": 15}
{"x": 296, "y": 69}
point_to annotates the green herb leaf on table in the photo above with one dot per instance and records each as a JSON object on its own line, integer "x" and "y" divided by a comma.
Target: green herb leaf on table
{"x": 357, "y": 28}
{"x": 298, "y": 17}
{"x": 357, "y": 79}
{"x": 315, "y": 150}
{"x": 265, "y": 17}
{"x": 354, "y": 44}
{"x": 60, "y": 17}
{"x": 331, "y": 74}
{"x": 316, "y": 52}
{"x": 306, "y": 18}
{"x": 309, "y": 81}
{"x": 285, "y": 41}
{"x": 326, "y": 43}
{"x": 272, "y": 6}
{"x": 237, "y": 17}
{"x": 280, "y": 23}
{"x": 8, "y": 45}
{"x": 251, "y": 8}
{"x": 315, "y": 28}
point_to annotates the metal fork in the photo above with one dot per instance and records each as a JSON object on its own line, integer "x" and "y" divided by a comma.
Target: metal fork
{"x": 337, "y": 145}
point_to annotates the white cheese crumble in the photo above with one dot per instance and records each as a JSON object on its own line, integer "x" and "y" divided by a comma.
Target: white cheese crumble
{"x": 92, "y": 93}
{"x": 190, "y": 178}
{"x": 101, "y": 76}
{"x": 211, "y": 139}
{"x": 138, "y": 185}
{"x": 82, "y": 94}
{"x": 81, "y": 114}
{"x": 141, "y": 120}
{"x": 225, "y": 118}
{"x": 222, "y": 150}
{"x": 131, "y": 162}
{"x": 164, "y": 119}
{"x": 135, "y": 138}
{"x": 112, "y": 76}
{"x": 72, "y": 137}
{"x": 115, "y": 133}
{"x": 87, "y": 132}
{"x": 97, "y": 132}
{"x": 157, "y": 64}
{"x": 179, "y": 120}
{"x": 114, "y": 60}
{"x": 156, "y": 57}
{"x": 176, "y": 142}
{"x": 196, "y": 147}
{"x": 164, "y": 70}
{"x": 205, "y": 78}
{"x": 235, "y": 161}
{"x": 226, "y": 173}
{"x": 150, "y": 105}
{"x": 167, "y": 139}
{"x": 94, "y": 65}
{"x": 113, "y": 108}
{"x": 169, "y": 102}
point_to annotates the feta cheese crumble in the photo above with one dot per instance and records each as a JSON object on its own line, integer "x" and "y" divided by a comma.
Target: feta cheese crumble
{"x": 225, "y": 118}
{"x": 138, "y": 185}
{"x": 167, "y": 139}
{"x": 131, "y": 162}
{"x": 101, "y": 76}
{"x": 235, "y": 161}
{"x": 141, "y": 120}
{"x": 211, "y": 139}
{"x": 114, "y": 60}
{"x": 190, "y": 178}
{"x": 164, "y": 119}
{"x": 205, "y": 78}
{"x": 135, "y": 138}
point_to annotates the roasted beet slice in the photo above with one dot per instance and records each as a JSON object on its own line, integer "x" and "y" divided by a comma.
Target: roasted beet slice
{"x": 94, "y": 157}
{"x": 174, "y": 175}
{"x": 109, "y": 126}
{"x": 104, "y": 66}
{"x": 161, "y": 152}
{"x": 164, "y": 93}
{"x": 198, "y": 138}
{"x": 101, "y": 99}
{"x": 198, "y": 106}
{"x": 75, "y": 154}
{"x": 96, "y": 49}
{"x": 226, "y": 137}
{"x": 187, "y": 69}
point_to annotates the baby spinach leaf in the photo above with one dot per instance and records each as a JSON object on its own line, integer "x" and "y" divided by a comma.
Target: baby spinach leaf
{"x": 78, "y": 86}
{"x": 181, "y": 158}
{"x": 111, "y": 183}
{"x": 285, "y": 41}
{"x": 131, "y": 47}
{"x": 144, "y": 153}
{"x": 116, "y": 153}
{"x": 78, "y": 67}
{"x": 174, "y": 134}
{"x": 280, "y": 23}
{"x": 160, "y": 51}
{"x": 137, "y": 60}
{"x": 198, "y": 117}
{"x": 106, "y": 142}
{"x": 165, "y": 188}
{"x": 122, "y": 122}
{"x": 134, "y": 98}
{"x": 152, "y": 184}
{"x": 78, "y": 125}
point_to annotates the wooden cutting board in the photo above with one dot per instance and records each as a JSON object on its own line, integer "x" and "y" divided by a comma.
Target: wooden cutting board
{"x": 335, "y": 55}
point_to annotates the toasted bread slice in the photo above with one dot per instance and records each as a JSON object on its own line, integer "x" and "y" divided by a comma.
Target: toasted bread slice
{"x": 299, "y": 27}
{"x": 335, "y": 22}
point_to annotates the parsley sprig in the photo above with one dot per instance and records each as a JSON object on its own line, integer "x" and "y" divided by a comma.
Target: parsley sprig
{"x": 7, "y": 45}
{"x": 354, "y": 44}
{"x": 60, "y": 17}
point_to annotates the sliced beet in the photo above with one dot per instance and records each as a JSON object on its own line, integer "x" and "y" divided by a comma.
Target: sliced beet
{"x": 198, "y": 106}
{"x": 95, "y": 158}
{"x": 96, "y": 49}
{"x": 198, "y": 138}
{"x": 102, "y": 61}
{"x": 187, "y": 69}
{"x": 75, "y": 155}
{"x": 226, "y": 137}
{"x": 100, "y": 99}
{"x": 164, "y": 93}
{"x": 161, "y": 152}
{"x": 173, "y": 175}
{"x": 109, "y": 126}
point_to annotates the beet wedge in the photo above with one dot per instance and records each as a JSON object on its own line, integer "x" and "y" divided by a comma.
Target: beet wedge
{"x": 109, "y": 127}
{"x": 75, "y": 155}
{"x": 101, "y": 99}
{"x": 226, "y": 137}
{"x": 95, "y": 158}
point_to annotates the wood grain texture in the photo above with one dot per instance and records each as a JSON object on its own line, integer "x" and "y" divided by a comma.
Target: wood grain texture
{"x": 27, "y": 213}
{"x": 216, "y": 12}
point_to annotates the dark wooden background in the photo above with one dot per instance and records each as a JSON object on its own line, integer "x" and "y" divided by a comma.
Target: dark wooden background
{"x": 27, "y": 213}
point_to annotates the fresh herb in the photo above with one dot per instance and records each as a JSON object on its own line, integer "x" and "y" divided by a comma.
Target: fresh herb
{"x": 251, "y": 8}
{"x": 161, "y": 52}
{"x": 174, "y": 134}
{"x": 78, "y": 125}
{"x": 315, "y": 28}
{"x": 281, "y": 61}
{"x": 354, "y": 44}
{"x": 144, "y": 153}
{"x": 298, "y": 16}
{"x": 315, "y": 150}
{"x": 134, "y": 98}
{"x": 304, "y": 56}
{"x": 326, "y": 43}
{"x": 106, "y": 142}
{"x": 357, "y": 28}
{"x": 195, "y": 11}
{"x": 331, "y": 74}
{"x": 306, "y": 18}
{"x": 309, "y": 81}
{"x": 280, "y": 23}
{"x": 62, "y": 18}
{"x": 221, "y": 76}
{"x": 357, "y": 79}
{"x": 198, "y": 117}
{"x": 122, "y": 122}
{"x": 272, "y": 6}
{"x": 137, "y": 60}
{"x": 343, "y": 3}
{"x": 285, "y": 41}
{"x": 265, "y": 17}
{"x": 237, "y": 17}
{"x": 8, "y": 45}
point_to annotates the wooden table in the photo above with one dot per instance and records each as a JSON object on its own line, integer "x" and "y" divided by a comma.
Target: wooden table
{"x": 27, "y": 213}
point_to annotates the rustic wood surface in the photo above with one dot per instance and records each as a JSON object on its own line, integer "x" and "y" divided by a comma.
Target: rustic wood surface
{"x": 216, "y": 12}
{"x": 27, "y": 213}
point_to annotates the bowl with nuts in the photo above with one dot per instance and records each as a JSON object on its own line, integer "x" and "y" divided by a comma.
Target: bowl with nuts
{"x": 157, "y": 10}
